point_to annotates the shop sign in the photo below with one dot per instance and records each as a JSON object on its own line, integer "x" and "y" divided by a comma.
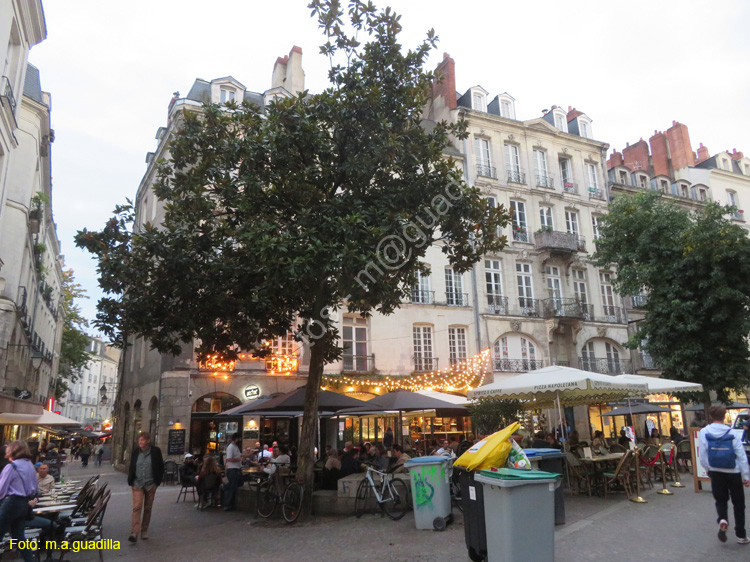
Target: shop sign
{"x": 252, "y": 391}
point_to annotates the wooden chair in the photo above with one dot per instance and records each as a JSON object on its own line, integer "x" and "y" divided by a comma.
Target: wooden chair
{"x": 684, "y": 455}
{"x": 582, "y": 476}
{"x": 636, "y": 471}
{"x": 617, "y": 448}
{"x": 170, "y": 472}
{"x": 621, "y": 475}
{"x": 186, "y": 487}
{"x": 648, "y": 454}
{"x": 669, "y": 450}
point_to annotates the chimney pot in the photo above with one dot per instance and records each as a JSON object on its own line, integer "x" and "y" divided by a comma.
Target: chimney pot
{"x": 674, "y": 123}
{"x": 570, "y": 109}
{"x": 446, "y": 56}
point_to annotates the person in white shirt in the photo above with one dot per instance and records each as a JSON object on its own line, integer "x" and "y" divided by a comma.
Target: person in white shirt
{"x": 445, "y": 450}
{"x": 280, "y": 460}
{"x": 46, "y": 482}
{"x": 233, "y": 466}
{"x": 726, "y": 483}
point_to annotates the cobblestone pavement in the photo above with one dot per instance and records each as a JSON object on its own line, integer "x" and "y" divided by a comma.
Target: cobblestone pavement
{"x": 667, "y": 528}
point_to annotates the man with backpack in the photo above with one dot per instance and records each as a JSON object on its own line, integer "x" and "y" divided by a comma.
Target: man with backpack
{"x": 722, "y": 455}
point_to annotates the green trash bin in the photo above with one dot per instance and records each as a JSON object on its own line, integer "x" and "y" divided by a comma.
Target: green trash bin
{"x": 430, "y": 491}
{"x": 519, "y": 513}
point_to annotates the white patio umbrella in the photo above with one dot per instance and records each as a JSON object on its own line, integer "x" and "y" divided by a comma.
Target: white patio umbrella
{"x": 445, "y": 397}
{"x": 662, "y": 386}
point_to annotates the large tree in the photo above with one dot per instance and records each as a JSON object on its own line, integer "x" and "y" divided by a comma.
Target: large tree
{"x": 695, "y": 268}
{"x": 74, "y": 341}
{"x": 275, "y": 219}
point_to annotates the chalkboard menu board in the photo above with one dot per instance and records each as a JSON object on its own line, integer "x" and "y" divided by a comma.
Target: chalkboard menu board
{"x": 176, "y": 442}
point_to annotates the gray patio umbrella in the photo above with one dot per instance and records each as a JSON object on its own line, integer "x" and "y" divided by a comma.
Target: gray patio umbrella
{"x": 732, "y": 406}
{"x": 638, "y": 409}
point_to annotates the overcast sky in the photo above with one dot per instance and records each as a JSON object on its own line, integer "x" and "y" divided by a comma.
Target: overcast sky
{"x": 632, "y": 67}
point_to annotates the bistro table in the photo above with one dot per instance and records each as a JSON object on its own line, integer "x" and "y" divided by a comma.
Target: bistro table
{"x": 56, "y": 508}
{"x": 597, "y": 463}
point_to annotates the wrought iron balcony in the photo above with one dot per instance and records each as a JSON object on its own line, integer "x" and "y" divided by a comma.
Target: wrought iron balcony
{"x": 424, "y": 363}
{"x": 559, "y": 241}
{"x": 456, "y": 299}
{"x": 570, "y": 187}
{"x": 358, "y": 363}
{"x": 516, "y": 365}
{"x": 486, "y": 171}
{"x": 21, "y": 302}
{"x": 545, "y": 181}
{"x": 738, "y": 215}
{"x": 497, "y": 304}
{"x": 645, "y": 361}
{"x": 612, "y": 314}
{"x": 638, "y": 301}
{"x": 595, "y": 193}
{"x": 418, "y": 296}
{"x": 529, "y": 307}
{"x": 6, "y": 91}
{"x": 567, "y": 308}
{"x": 606, "y": 366}
{"x": 516, "y": 176}
{"x": 520, "y": 235}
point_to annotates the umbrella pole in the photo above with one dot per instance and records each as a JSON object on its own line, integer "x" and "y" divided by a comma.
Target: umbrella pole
{"x": 563, "y": 426}
{"x": 637, "y": 498}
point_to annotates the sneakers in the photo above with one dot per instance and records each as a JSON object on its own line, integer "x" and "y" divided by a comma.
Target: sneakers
{"x": 144, "y": 536}
{"x": 132, "y": 538}
{"x": 743, "y": 540}
{"x": 723, "y": 525}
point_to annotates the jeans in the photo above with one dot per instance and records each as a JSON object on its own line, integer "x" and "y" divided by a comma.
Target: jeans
{"x": 13, "y": 510}
{"x": 142, "y": 500}
{"x": 234, "y": 480}
{"x": 98, "y": 459}
{"x": 85, "y": 460}
{"x": 723, "y": 486}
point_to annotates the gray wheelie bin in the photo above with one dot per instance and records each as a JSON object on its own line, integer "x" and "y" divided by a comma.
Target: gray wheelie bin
{"x": 430, "y": 491}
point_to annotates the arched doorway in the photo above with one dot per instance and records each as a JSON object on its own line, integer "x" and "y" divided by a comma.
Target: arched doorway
{"x": 209, "y": 432}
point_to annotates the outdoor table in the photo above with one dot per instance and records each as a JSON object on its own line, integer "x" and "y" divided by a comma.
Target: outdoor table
{"x": 54, "y": 508}
{"x": 598, "y": 461}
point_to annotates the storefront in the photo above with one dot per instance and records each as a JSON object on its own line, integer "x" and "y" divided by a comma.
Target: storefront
{"x": 210, "y": 432}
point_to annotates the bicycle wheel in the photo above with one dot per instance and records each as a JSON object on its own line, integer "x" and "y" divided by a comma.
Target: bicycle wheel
{"x": 363, "y": 494}
{"x": 267, "y": 500}
{"x": 397, "y": 505}
{"x": 291, "y": 505}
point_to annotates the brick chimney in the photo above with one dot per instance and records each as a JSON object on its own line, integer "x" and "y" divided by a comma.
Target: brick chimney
{"x": 445, "y": 83}
{"x": 573, "y": 113}
{"x": 636, "y": 156}
{"x": 659, "y": 154}
{"x": 737, "y": 155}
{"x": 703, "y": 154}
{"x": 615, "y": 160}
{"x": 295, "y": 76}
{"x": 279, "y": 72}
{"x": 679, "y": 146}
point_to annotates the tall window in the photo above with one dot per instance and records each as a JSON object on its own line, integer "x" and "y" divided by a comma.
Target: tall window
{"x": 595, "y": 226}
{"x": 494, "y": 286}
{"x": 571, "y": 222}
{"x": 585, "y": 129}
{"x": 355, "y": 344}
{"x": 732, "y": 199}
{"x": 482, "y": 152}
{"x": 611, "y": 312}
{"x": 588, "y": 357}
{"x": 420, "y": 293}
{"x": 566, "y": 173}
{"x": 515, "y": 354}
{"x": 545, "y": 217}
{"x": 613, "y": 359}
{"x": 514, "y": 162}
{"x": 593, "y": 180}
{"x": 525, "y": 289}
{"x": 506, "y": 109}
{"x": 579, "y": 290}
{"x": 528, "y": 354}
{"x": 454, "y": 288}
{"x": 561, "y": 122}
{"x": 540, "y": 162}
{"x": 457, "y": 344}
{"x": 423, "y": 359}
{"x": 554, "y": 286}
{"x": 285, "y": 345}
{"x": 478, "y": 100}
{"x": 520, "y": 233}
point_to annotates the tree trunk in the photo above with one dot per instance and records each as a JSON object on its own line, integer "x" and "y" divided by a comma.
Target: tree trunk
{"x": 307, "y": 443}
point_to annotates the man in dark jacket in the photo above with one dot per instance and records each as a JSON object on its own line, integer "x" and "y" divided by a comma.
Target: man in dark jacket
{"x": 144, "y": 476}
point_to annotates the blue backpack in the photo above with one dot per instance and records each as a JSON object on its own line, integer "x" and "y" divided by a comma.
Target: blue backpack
{"x": 721, "y": 450}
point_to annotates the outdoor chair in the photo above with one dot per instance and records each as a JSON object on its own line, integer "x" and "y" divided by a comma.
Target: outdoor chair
{"x": 32, "y": 534}
{"x": 579, "y": 473}
{"x": 92, "y": 529}
{"x": 170, "y": 472}
{"x": 187, "y": 487}
{"x": 684, "y": 455}
{"x": 651, "y": 468}
{"x": 617, "y": 448}
{"x": 635, "y": 471}
{"x": 209, "y": 488}
{"x": 669, "y": 452}
{"x": 621, "y": 475}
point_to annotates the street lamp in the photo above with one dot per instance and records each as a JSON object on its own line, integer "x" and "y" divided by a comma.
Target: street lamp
{"x": 103, "y": 392}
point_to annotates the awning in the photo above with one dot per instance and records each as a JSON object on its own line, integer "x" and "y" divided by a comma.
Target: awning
{"x": 658, "y": 385}
{"x": 47, "y": 418}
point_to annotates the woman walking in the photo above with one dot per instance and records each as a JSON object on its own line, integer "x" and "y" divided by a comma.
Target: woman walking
{"x": 18, "y": 485}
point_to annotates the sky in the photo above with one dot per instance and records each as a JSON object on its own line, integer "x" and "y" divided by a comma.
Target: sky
{"x": 632, "y": 67}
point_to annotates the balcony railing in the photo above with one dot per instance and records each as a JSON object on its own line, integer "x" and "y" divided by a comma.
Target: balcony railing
{"x": 21, "y": 302}
{"x": 516, "y": 176}
{"x": 520, "y": 235}
{"x": 529, "y": 307}
{"x": 595, "y": 193}
{"x": 645, "y": 361}
{"x": 606, "y": 366}
{"x": 611, "y": 314}
{"x": 545, "y": 181}
{"x": 486, "y": 171}
{"x": 424, "y": 363}
{"x": 456, "y": 299}
{"x": 497, "y": 304}
{"x": 6, "y": 91}
{"x": 570, "y": 187}
{"x": 638, "y": 301}
{"x": 567, "y": 308}
{"x": 358, "y": 363}
{"x": 556, "y": 240}
{"x": 418, "y": 296}
{"x": 516, "y": 365}
{"x": 738, "y": 216}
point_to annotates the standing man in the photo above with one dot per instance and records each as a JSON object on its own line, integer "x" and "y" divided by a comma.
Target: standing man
{"x": 728, "y": 472}
{"x": 85, "y": 453}
{"x": 233, "y": 464}
{"x": 98, "y": 453}
{"x": 144, "y": 476}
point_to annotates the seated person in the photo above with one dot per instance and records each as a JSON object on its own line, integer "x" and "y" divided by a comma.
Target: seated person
{"x": 623, "y": 440}
{"x": 279, "y": 459}
{"x": 539, "y": 441}
{"x": 209, "y": 480}
{"x": 45, "y": 480}
{"x": 381, "y": 461}
{"x": 188, "y": 471}
{"x": 331, "y": 470}
{"x": 574, "y": 441}
{"x": 599, "y": 445}
{"x": 552, "y": 442}
{"x": 445, "y": 450}
{"x": 675, "y": 436}
{"x": 401, "y": 458}
{"x": 364, "y": 452}
{"x": 349, "y": 463}
{"x": 655, "y": 438}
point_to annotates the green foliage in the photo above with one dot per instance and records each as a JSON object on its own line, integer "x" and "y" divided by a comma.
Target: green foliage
{"x": 74, "y": 341}
{"x": 695, "y": 268}
{"x": 490, "y": 414}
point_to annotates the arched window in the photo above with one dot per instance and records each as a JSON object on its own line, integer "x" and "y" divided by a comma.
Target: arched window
{"x": 215, "y": 402}
{"x": 516, "y": 354}
{"x": 603, "y": 356}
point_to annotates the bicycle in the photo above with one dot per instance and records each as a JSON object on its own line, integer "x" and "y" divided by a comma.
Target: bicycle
{"x": 273, "y": 491}
{"x": 391, "y": 494}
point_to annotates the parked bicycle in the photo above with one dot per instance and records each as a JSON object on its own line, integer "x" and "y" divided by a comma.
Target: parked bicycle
{"x": 391, "y": 493}
{"x": 275, "y": 491}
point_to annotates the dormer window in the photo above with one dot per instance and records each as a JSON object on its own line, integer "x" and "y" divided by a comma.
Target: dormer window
{"x": 561, "y": 122}
{"x": 506, "y": 109}
{"x": 478, "y": 102}
{"x": 227, "y": 95}
{"x": 585, "y": 128}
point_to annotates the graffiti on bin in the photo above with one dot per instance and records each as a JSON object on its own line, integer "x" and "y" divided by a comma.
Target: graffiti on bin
{"x": 424, "y": 491}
